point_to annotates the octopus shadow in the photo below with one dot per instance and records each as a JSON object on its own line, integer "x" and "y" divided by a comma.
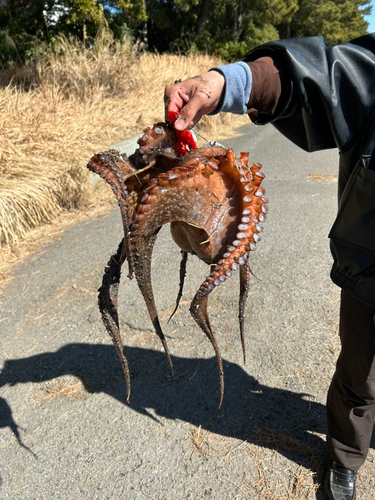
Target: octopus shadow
{"x": 276, "y": 418}
{"x": 6, "y": 420}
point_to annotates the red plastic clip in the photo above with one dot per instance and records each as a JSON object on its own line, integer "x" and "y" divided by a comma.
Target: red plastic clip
{"x": 185, "y": 139}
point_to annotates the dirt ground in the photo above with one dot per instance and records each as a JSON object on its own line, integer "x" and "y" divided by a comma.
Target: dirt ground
{"x": 66, "y": 430}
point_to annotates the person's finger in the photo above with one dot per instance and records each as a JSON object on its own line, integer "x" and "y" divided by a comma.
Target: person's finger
{"x": 190, "y": 114}
{"x": 175, "y": 98}
{"x": 194, "y": 98}
{"x": 193, "y": 101}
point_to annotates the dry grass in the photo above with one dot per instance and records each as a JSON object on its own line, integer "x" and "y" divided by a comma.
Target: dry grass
{"x": 63, "y": 387}
{"x": 200, "y": 441}
{"x": 270, "y": 476}
{"x": 322, "y": 177}
{"x": 77, "y": 102}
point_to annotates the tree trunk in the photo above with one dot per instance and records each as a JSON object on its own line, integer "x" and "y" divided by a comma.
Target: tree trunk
{"x": 286, "y": 30}
{"x": 203, "y": 15}
{"x": 231, "y": 19}
{"x": 240, "y": 12}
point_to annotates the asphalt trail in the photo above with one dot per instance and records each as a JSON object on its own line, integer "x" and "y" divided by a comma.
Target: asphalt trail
{"x": 171, "y": 441}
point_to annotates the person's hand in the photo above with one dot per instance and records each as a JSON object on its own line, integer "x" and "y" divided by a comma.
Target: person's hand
{"x": 193, "y": 98}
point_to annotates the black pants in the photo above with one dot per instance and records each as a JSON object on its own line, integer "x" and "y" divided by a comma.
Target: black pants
{"x": 351, "y": 396}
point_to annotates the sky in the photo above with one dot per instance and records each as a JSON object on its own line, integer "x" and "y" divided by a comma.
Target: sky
{"x": 371, "y": 19}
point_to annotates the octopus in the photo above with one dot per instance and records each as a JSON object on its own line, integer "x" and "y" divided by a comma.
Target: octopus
{"x": 215, "y": 205}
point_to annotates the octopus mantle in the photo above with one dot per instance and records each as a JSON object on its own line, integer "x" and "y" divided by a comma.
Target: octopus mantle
{"x": 216, "y": 206}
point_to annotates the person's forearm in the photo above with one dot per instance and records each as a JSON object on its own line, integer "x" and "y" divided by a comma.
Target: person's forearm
{"x": 243, "y": 87}
{"x": 266, "y": 88}
{"x": 250, "y": 87}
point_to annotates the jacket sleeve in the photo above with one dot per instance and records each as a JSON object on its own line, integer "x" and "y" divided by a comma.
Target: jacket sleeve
{"x": 328, "y": 93}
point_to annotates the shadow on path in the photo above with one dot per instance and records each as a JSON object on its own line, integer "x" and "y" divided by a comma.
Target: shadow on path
{"x": 6, "y": 420}
{"x": 192, "y": 395}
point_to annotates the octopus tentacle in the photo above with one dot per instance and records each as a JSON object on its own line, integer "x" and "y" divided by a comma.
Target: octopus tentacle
{"x": 182, "y": 281}
{"x": 142, "y": 268}
{"x": 244, "y": 291}
{"x": 251, "y": 212}
{"x": 113, "y": 168}
{"x": 107, "y": 298}
{"x": 234, "y": 258}
{"x": 198, "y": 310}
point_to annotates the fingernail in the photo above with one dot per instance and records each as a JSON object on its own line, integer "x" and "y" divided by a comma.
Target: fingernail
{"x": 180, "y": 124}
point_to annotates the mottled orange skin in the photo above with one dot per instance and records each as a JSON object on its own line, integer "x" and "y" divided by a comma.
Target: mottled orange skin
{"x": 215, "y": 204}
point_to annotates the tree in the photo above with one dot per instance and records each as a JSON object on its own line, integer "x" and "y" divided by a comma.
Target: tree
{"x": 336, "y": 20}
{"x": 281, "y": 13}
{"x": 227, "y": 28}
{"x": 25, "y": 25}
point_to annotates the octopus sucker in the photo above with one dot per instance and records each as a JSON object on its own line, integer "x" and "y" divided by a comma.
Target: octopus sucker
{"x": 215, "y": 204}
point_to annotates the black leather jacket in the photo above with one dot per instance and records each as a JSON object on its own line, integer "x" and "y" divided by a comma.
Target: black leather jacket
{"x": 329, "y": 101}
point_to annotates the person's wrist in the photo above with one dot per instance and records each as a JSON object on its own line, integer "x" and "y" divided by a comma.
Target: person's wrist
{"x": 219, "y": 91}
{"x": 238, "y": 82}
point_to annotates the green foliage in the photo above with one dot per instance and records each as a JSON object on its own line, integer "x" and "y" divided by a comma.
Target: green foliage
{"x": 227, "y": 28}
{"x": 27, "y": 27}
{"x": 81, "y": 13}
{"x": 336, "y": 20}
{"x": 281, "y": 11}
{"x": 17, "y": 44}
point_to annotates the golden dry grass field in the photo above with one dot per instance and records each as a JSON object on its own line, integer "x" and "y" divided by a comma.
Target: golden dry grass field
{"x": 56, "y": 113}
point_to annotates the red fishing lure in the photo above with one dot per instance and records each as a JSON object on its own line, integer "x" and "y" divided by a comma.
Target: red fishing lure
{"x": 185, "y": 138}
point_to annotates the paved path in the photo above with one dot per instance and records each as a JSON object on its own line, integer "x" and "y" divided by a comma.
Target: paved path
{"x": 66, "y": 431}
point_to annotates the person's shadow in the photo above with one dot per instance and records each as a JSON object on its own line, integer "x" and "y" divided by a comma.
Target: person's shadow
{"x": 275, "y": 418}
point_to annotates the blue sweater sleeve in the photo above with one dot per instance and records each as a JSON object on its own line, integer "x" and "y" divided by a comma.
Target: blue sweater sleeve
{"x": 238, "y": 83}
